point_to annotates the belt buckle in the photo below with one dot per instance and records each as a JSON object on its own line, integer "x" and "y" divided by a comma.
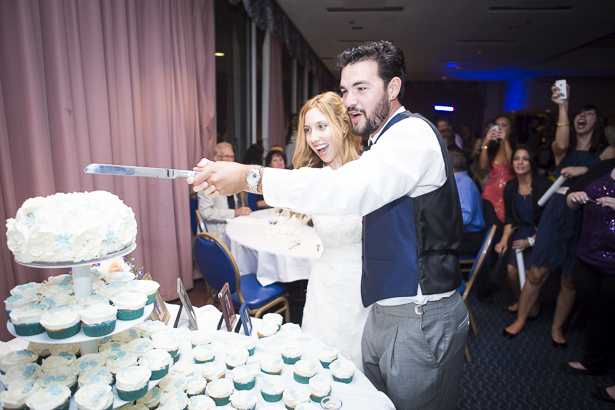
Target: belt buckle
{"x": 418, "y": 309}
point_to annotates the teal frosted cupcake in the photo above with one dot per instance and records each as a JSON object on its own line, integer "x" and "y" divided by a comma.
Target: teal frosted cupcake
{"x": 342, "y": 370}
{"x": 220, "y": 391}
{"x": 291, "y": 352}
{"x": 98, "y": 320}
{"x": 131, "y": 383}
{"x": 244, "y": 377}
{"x": 61, "y": 322}
{"x": 129, "y": 305}
{"x": 158, "y": 361}
{"x": 53, "y": 397}
{"x": 94, "y": 397}
{"x": 27, "y": 319}
{"x": 272, "y": 388}
{"x": 303, "y": 371}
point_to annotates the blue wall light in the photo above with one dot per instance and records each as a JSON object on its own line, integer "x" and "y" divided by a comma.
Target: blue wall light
{"x": 446, "y": 108}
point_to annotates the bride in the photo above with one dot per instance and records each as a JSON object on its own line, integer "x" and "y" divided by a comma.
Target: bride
{"x": 333, "y": 309}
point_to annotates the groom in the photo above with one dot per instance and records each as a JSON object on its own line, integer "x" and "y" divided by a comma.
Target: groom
{"x": 414, "y": 339}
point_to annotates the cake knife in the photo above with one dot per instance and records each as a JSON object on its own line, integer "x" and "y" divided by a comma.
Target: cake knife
{"x": 138, "y": 171}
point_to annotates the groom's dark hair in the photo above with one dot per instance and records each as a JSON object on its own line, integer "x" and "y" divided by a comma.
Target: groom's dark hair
{"x": 390, "y": 59}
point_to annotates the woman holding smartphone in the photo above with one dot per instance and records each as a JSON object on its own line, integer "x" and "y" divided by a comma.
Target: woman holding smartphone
{"x": 496, "y": 153}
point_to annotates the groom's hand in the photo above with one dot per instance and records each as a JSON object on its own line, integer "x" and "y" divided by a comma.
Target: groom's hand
{"x": 219, "y": 178}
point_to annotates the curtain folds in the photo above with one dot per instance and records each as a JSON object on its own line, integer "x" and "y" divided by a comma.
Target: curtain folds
{"x": 120, "y": 82}
{"x": 276, "y": 97}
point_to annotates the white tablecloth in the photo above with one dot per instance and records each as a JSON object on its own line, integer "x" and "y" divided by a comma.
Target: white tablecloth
{"x": 262, "y": 249}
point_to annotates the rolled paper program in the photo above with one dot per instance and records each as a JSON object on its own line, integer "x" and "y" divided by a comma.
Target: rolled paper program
{"x": 556, "y": 185}
{"x": 521, "y": 268}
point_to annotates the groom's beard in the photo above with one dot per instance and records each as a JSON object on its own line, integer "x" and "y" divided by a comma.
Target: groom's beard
{"x": 374, "y": 121}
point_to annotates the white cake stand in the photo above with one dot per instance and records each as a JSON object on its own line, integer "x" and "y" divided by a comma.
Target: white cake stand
{"x": 82, "y": 284}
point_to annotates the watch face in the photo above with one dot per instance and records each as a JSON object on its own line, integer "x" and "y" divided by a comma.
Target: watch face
{"x": 253, "y": 178}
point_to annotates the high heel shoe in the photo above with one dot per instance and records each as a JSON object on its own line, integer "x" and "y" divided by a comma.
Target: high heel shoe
{"x": 558, "y": 345}
{"x": 602, "y": 394}
{"x": 508, "y": 335}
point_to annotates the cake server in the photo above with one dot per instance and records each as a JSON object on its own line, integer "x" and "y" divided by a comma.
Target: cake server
{"x": 138, "y": 171}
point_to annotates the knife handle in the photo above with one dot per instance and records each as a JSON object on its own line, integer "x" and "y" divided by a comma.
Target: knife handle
{"x": 178, "y": 173}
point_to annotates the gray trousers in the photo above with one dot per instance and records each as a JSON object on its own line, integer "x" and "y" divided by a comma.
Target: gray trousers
{"x": 416, "y": 359}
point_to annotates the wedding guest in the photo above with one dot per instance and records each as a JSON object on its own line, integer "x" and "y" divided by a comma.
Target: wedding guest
{"x": 523, "y": 213}
{"x": 215, "y": 211}
{"x": 445, "y": 124}
{"x": 577, "y": 147}
{"x": 496, "y": 153}
{"x": 405, "y": 189}
{"x": 594, "y": 270}
{"x": 274, "y": 159}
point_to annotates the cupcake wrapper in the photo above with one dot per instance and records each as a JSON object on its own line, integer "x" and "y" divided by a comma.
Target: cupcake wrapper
{"x": 302, "y": 379}
{"x": 176, "y": 358}
{"x": 150, "y": 299}
{"x": 132, "y": 395}
{"x": 318, "y": 399}
{"x": 110, "y": 407}
{"x": 8, "y": 314}
{"x": 64, "y": 333}
{"x": 221, "y": 401}
{"x": 348, "y": 380}
{"x": 206, "y": 361}
{"x": 73, "y": 389}
{"x": 196, "y": 394}
{"x": 64, "y": 406}
{"x": 272, "y": 398}
{"x": 174, "y": 353}
{"x": 245, "y": 386}
{"x": 129, "y": 314}
{"x": 272, "y": 373}
{"x": 251, "y": 351}
{"x": 290, "y": 360}
{"x": 159, "y": 374}
{"x": 29, "y": 329}
{"x": 99, "y": 330}
{"x": 326, "y": 364}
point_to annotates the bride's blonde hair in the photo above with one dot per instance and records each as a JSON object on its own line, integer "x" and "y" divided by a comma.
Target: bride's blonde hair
{"x": 332, "y": 107}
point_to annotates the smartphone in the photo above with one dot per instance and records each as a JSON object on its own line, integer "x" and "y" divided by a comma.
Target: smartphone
{"x": 561, "y": 86}
{"x": 495, "y": 128}
{"x": 592, "y": 201}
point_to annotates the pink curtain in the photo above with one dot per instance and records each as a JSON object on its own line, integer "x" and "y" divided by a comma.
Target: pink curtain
{"x": 276, "y": 98}
{"x": 107, "y": 81}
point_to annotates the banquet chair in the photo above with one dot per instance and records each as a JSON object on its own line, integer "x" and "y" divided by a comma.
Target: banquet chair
{"x": 477, "y": 267}
{"x": 218, "y": 267}
{"x": 194, "y": 208}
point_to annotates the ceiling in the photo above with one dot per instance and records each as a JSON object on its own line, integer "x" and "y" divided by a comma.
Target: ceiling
{"x": 468, "y": 39}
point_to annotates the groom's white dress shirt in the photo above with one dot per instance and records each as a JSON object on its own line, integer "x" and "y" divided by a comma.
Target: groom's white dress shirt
{"x": 402, "y": 163}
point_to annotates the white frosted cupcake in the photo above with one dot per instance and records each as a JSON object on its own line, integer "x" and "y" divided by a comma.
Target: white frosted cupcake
{"x": 15, "y": 397}
{"x": 327, "y": 355}
{"x": 98, "y": 320}
{"x": 247, "y": 343}
{"x": 72, "y": 348}
{"x": 26, "y": 371}
{"x": 266, "y": 329}
{"x": 129, "y": 305}
{"x": 151, "y": 400}
{"x": 127, "y": 335}
{"x": 204, "y": 353}
{"x": 60, "y": 361}
{"x": 294, "y": 396}
{"x": 93, "y": 299}
{"x": 57, "y": 300}
{"x": 147, "y": 287}
{"x": 182, "y": 369}
{"x": 94, "y": 397}
{"x": 136, "y": 407}
{"x": 121, "y": 360}
{"x": 131, "y": 382}
{"x": 243, "y": 400}
{"x": 272, "y": 388}
{"x": 199, "y": 338}
{"x": 272, "y": 364}
{"x": 244, "y": 377}
{"x": 56, "y": 280}
{"x": 61, "y": 322}
{"x": 274, "y": 318}
{"x": 303, "y": 371}
{"x": 158, "y": 361}
{"x": 91, "y": 361}
{"x": 213, "y": 370}
{"x": 150, "y": 327}
{"x": 41, "y": 349}
{"x": 291, "y": 352}
{"x": 120, "y": 277}
{"x": 342, "y": 370}
{"x": 27, "y": 319}
{"x": 140, "y": 346}
{"x": 195, "y": 385}
{"x": 53, "y": 397}
{"x": 320, "y": 387}
{"x": 201, "y": 402}
{"x": 112, "y": 348}
{"x": 56, "y": 290}
{"x": 13, "y": 359}
{"x": 220, "y": 391}
{"x": 31, "y": 288}
{"x": 17, "y": 301}
{"x": 170, "y": 383}
{"x": 166, "y": 340}
{"x": 66, "y": 377}
{"x": 235, "y": 356}
{"x": 111, "y": 290}
{"x": 290, "y": 328}
{"x": 98, "y": 375}
{"x": 177, "y": 399}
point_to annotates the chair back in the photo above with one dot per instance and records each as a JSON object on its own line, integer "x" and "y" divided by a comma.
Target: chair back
{"x": 216, "y": 263}
{"x": 194, "y": 207}
{"x": 480, "y": 260}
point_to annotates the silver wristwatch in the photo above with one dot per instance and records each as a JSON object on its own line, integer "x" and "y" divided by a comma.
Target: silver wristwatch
{"x": 253, "y": 178}
{"x": 531, "y": 240}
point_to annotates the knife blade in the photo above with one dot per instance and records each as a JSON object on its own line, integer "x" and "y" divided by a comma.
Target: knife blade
{"x": 123, "y": 170}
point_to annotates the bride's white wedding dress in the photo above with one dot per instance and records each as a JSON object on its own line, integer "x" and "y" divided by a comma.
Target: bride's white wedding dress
{"x": 333, "y": 309}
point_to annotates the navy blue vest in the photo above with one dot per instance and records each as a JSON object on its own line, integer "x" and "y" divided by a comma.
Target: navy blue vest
{"x": 413, "y": 241}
